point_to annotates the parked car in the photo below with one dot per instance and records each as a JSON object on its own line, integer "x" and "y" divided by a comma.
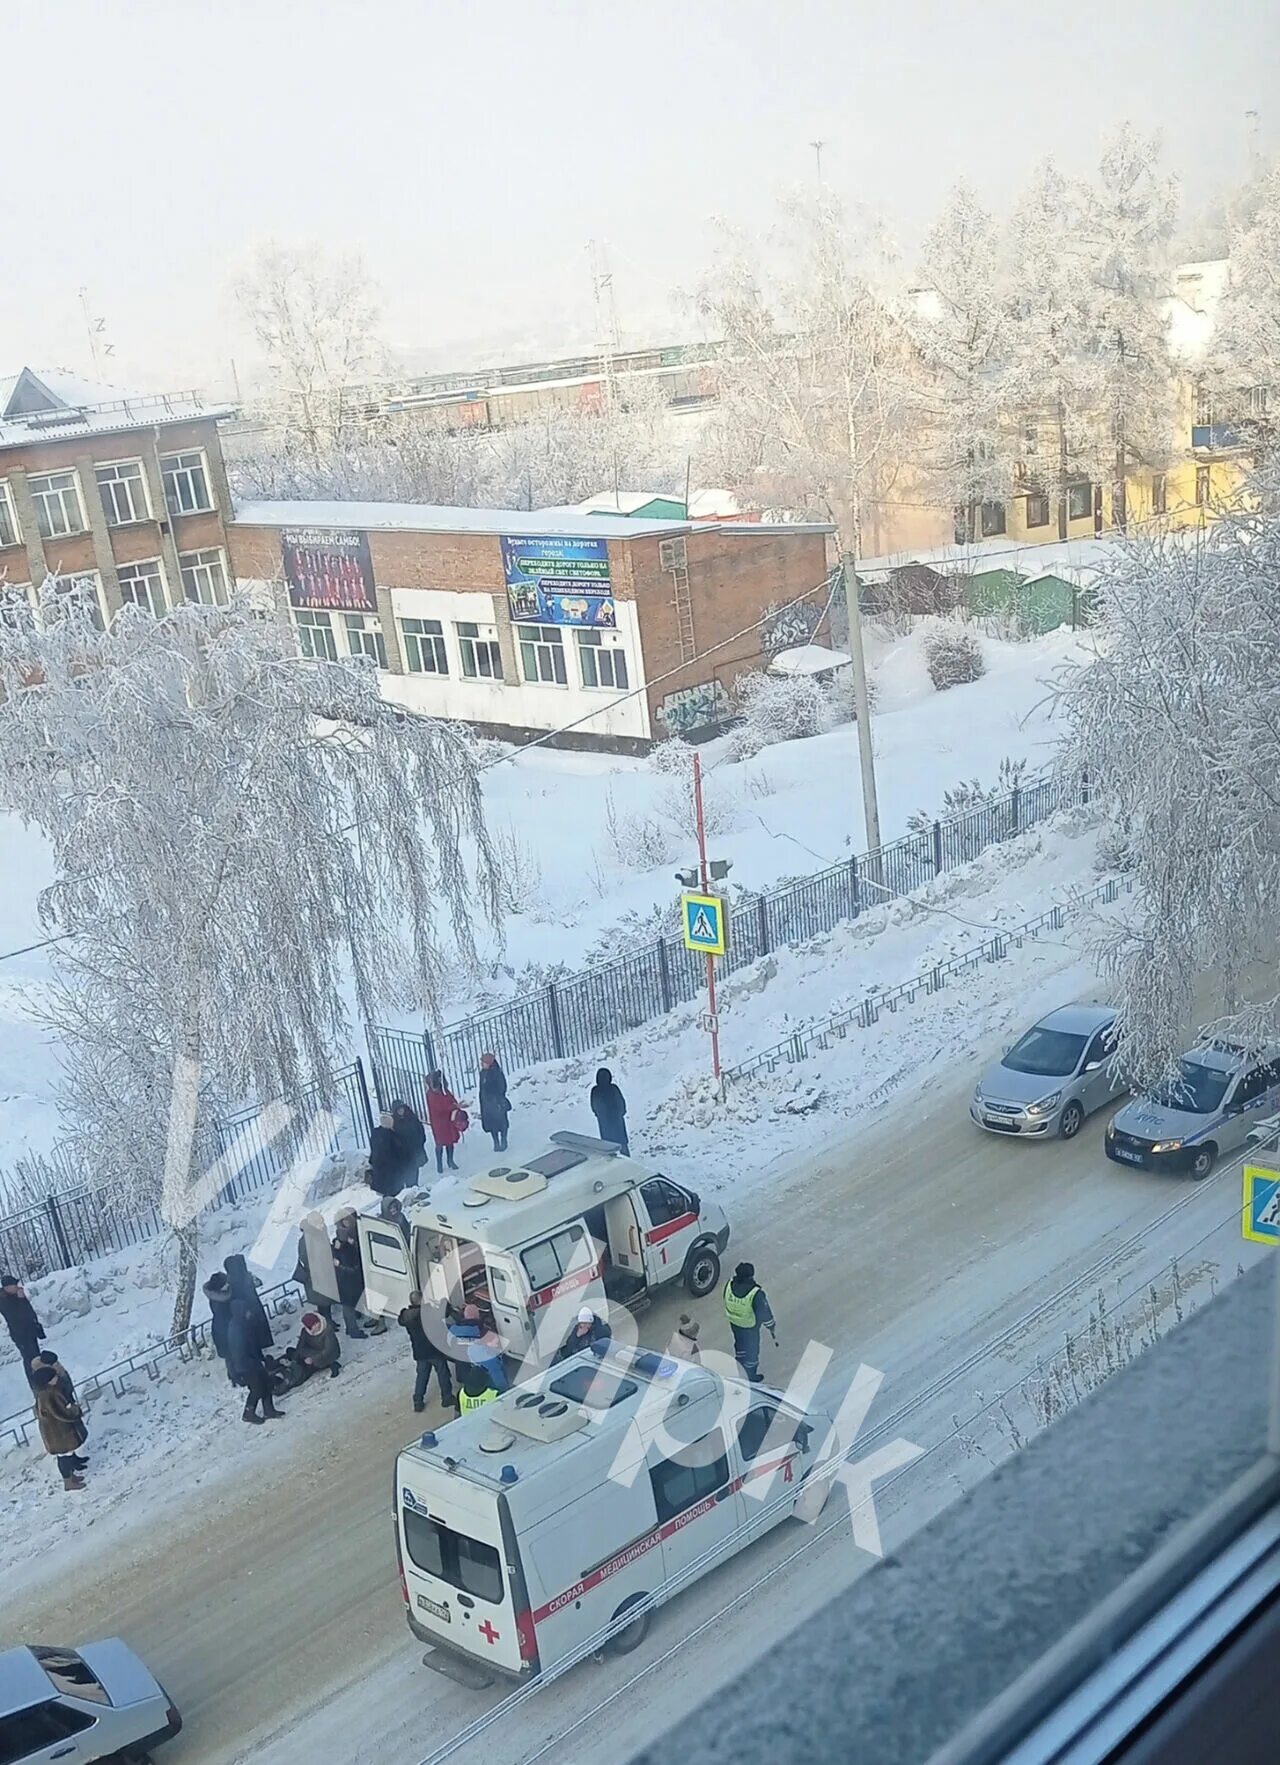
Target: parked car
{"x": 96, "y": 1702}
{"x": 1053, "y": 1077}
{"x": 1209, "y": 1107}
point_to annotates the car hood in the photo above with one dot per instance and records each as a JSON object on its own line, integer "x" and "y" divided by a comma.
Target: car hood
{"x": 124, "y": 1678}
{"x": 1000, "y": 1084}
{"x": 1148, "y": 1120}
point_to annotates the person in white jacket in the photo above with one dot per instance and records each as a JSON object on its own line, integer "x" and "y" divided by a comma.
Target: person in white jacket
{"x": 684, "y": 1343}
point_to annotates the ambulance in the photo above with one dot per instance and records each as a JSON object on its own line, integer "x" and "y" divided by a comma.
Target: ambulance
{"x": 588, "y": 1497}
{"x": 578, "y": 1221}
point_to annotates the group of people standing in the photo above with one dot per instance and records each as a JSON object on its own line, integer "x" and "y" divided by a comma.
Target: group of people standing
{"x": 58, "y": 1412}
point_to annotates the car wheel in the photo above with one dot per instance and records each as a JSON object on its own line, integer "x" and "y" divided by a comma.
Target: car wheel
{"x": 1203, "y": 1162}
{"x": 1070, "y": 1121}
{"x": 702, "y": 1271}
{"x": 631, "y": 1635}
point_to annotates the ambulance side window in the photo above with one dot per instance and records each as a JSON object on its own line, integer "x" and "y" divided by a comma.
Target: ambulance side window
{"x": 664, "y": 1201}
{"x": 681, "y": 1483}
{"x": 387, "y": 1252}
{"x": 548, "y": 1262}
{"x": 760, "y": 1427}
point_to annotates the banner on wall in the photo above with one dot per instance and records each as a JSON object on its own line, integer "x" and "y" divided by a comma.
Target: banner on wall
{"x": 328, "y": 568}
{"x": 557, "y": 581}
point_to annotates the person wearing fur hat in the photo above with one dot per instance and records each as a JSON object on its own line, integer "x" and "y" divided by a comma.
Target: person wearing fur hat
{"x": 683, "y": 1345}
{"x": 24, "y": 1327}
{"x": 62, "y": 1429}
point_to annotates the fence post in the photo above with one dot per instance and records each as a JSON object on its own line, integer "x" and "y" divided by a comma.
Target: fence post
{"x": 762, "y": 921}
{"x": 855, "y": 893}
{"x": 363, "y": 1092}
{"x": 553, "y": 1016}
{"x": 55, "y": 1220}
{"x": 1084, "y": 784}
{"x": 937, "y": 848}
{"x": 664, "y": 973}
{"x": 1015, "y": 802}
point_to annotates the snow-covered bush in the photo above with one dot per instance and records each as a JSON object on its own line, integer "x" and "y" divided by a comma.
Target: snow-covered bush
{"x": 839, "y": 695}
{"x": 953, "y": 656}
{"x": 674, "y": 756}
{"x": 519, "y": 870}
{"x": 778, "y": 708}
{"x": 639, "y": 841}
{"x": 1117, "y": 848}
{"x": 969, "y": 794}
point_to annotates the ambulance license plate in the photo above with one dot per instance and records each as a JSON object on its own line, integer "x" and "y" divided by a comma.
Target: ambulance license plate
{"x": 436, "y": 1611}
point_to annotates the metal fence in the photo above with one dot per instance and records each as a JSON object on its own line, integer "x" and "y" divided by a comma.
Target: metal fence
{"x": 588, "y": 1009}
{"x": 867, "y": 1012}
{"x": 67, "y": 1228}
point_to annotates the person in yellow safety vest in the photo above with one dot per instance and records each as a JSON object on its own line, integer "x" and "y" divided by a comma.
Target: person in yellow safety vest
{"x": 748, "y": 1311}
{"x": 477, "y": 1388}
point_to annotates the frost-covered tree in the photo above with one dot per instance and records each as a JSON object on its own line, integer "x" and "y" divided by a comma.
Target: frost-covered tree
{"x": 314, "y": 315}
{"x": 1051, "y": 384}
{"x": 960, "y": 325}
{"x": 1178, "y": 724}
{"x": 1128, "y": 217}
{"x": 816, "y": 389}
{"x": 242, "y": 838}
{"x": 1247, "y": 345}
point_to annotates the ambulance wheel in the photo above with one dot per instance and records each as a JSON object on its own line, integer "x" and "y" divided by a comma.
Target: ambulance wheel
{"x": 702, "y": 1271}
{"x": 631, "y": 1635}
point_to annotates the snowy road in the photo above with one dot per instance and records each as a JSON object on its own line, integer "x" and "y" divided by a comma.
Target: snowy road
{"x": 272, "y": 1612}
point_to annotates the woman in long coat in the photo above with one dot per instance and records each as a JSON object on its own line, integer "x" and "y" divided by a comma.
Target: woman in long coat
{"x": 443, "y": 1112}
{"x": 495, "y": 1106}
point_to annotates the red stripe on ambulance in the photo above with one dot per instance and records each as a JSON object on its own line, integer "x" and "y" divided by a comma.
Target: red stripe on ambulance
{"x": 656, "y": 1234}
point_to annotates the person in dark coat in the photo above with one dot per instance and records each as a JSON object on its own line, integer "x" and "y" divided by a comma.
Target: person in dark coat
{"x": 217, "y": 1290}
{"x": 350, "y": 1269}
{"x": 586, "y": 1333}
{"x": 386, "y": 1157}
{"x": 317, "y": 1348}
{"x": 428, "y": 1358}
{"x": 244, "y": 1287}
{"x": 24, "y": 1327}
{"x": 411, "y": 1137}
{"x": 244, "y": 1358}
{"x": 444, "y": 1113}
{"x": 748, "y": 1311}
{"x": 609, "y": 1107}
{"x": 495, "y": 1106}
{"x": 62, "y": 1429}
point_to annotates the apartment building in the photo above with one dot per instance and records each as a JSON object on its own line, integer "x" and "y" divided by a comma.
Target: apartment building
{"x": 128, "y": 492}
{"x": 611, "y": 630}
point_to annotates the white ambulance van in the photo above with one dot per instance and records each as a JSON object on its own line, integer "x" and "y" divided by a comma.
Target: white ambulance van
{"x": 578, "y": 1219}
{"x": 601, "y": 1488}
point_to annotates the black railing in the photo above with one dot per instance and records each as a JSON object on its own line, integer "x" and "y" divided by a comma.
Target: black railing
{"x": 584, "y": 1010}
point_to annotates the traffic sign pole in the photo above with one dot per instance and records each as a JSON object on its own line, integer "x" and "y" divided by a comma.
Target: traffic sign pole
{"x": 705, "y": 877}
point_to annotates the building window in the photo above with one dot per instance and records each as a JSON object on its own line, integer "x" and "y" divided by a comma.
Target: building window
{"x": 424, "y": 651}
{"x": 124, "y": 492}
{"x": 204, "y": 576}
{"x": 992, "y": 519}
{"x": 1079, "y": 502}
{"x": 186, "y": 483}
{"x": 315, "y": 634}
{"x": 143, "y": 585}
{"x": 8, "y": 520}
{"x": 1030, "y": 436}
{"x": 364, "y": 638}
{"x": 601, "y": 666}
{"x": 542, "y": 655}
{"x": 1159, "y": 493}
{"x": 481, "y": 656}
{"x": 1259, "y": 401}
{"x": 1204, "y": 407}
{"x": 17, "y": 606}
{"x": 1037, "y": 509}
{"x": 1202, "y": 487}
{"x": 56, "y": 496}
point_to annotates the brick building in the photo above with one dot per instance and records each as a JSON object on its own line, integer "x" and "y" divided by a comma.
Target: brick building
{"x": 129, "y": 492}
{"x": 520, "y": 622}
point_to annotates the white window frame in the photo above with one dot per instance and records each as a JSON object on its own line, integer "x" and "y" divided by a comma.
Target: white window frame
{"x": 364, "y": 635}
{"x": 170, "y": 470}
{"x": 537, "y": 647}
{"x": 417, "y": 644}
{"x": 1074, "y": 489}
{"x": 478, "y": 644}
{"x": 156, "y": 600}
{"x": 106, "y": 491}
{"x": 593, "y": 650}
{"x": 12, "y": 596}
{"x": 204, "y": 559}
{"x": 9, "y": 515}
{"x": 40, "y": 499}
{"x": 319, "y": 621}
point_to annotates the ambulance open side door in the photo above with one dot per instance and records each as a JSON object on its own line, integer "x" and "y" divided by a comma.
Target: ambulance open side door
{"x": 388, "y": 1276}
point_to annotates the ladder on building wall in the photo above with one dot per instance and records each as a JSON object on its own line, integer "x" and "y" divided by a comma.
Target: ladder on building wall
{"x": 673, "y": 555}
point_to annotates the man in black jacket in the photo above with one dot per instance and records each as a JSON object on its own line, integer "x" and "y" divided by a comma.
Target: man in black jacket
{"x": 427, "y": 1356}
{"x": 20, "y": 1319}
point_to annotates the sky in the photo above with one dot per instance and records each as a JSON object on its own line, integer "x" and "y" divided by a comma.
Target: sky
{"x": 471, "y": 150}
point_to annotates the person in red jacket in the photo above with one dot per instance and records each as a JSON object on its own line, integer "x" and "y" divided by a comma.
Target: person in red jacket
{"x": 446, "y": 1117}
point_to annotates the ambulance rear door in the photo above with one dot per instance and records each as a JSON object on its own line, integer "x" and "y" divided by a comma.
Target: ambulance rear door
{"x": 388, "y": 1278}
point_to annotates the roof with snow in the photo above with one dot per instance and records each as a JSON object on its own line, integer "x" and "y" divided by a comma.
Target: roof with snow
{"x": 427, "y": 518}
{"x": 808, "y": 658}
{"x": 52, "y": 405}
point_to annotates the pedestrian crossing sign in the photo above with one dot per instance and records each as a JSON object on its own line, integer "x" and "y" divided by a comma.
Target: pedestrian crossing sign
{"x": 1260, "y": 1220}
{"x": 705, "y": 924}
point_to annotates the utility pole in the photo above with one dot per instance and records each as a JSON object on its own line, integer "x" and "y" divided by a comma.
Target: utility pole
{"x": 817, "y": 155}
{"x": 862, "y": 708}
{"x": 704, "y": 873}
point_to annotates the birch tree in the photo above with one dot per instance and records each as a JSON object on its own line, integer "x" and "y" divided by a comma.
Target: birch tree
{"x": 1247, "y": 347}
{"x": 960, "y": 328}
{"x": 242, "y": 838}
{"x": 1178, "y": 723}
{"x": 815, "y": 392}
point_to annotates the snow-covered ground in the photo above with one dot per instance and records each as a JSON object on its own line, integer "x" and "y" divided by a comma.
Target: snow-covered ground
{"x": 583, "y": 891}
{"x": 117, "y": 1306}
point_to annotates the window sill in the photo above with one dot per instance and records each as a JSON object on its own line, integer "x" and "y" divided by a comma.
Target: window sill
{"x": 182, "y": 514}
{"x": 139, "y": 521}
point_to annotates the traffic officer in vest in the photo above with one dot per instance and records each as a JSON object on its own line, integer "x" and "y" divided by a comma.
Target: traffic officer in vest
{"x": 477, "y": 1388}
{"x": 748, "y": 1311}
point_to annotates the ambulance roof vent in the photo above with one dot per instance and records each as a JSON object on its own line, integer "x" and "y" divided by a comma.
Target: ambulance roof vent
{"x": 497, "y": 1439}
{"x": 501, "y": 1184}
{"x": 538, "y": 1416}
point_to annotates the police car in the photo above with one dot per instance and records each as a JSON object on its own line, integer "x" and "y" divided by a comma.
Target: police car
{"x": 1209, "y": 1107}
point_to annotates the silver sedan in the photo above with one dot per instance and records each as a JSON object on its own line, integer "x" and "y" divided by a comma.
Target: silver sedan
{"x": 1053, "y": 1077}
